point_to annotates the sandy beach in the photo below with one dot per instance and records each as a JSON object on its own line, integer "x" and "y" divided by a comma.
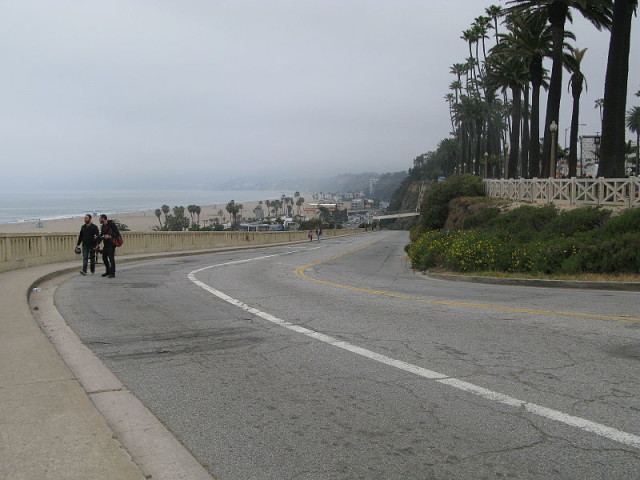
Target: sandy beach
{"x": 142, "y": 221}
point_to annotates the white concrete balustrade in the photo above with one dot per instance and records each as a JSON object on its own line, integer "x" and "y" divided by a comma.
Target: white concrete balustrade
{"x": 19, "y": 250}
{"x": 588, "y": 191}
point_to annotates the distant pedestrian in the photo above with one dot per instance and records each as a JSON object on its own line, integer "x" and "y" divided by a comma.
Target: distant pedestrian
{"x": 108, "y": 233}
{"x": 88, "y": 240}
{"x": 310, "y": 236}
{"x": 318, "y": 233}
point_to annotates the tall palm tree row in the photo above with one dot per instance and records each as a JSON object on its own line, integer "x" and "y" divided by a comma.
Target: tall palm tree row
{"x": 598, "y": 12}
{"x": 486, "y": 127}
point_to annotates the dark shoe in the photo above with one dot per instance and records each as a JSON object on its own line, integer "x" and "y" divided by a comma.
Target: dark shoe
{"x": 111, "y": 276}
{"x": 105, "y": 274}
{"x": 82, "y": 272}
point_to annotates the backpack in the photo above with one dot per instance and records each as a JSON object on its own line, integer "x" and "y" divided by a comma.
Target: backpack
{"x": 116, "y": 239}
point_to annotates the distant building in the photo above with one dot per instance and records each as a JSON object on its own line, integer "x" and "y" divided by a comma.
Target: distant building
{"x": 312, "y": 210}
{"x": 589, "y": 155}
{"x": 357, "y": 204}
{"x": 373, "y": 181}
{"x": 590, "y": 148}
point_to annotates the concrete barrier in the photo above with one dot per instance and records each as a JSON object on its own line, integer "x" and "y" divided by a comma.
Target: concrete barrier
{"x": 22, "y": 250}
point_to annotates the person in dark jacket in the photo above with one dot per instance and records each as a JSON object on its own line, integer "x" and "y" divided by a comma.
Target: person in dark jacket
{"x": 88, "y": 239}
{"x": 108, "y": 231}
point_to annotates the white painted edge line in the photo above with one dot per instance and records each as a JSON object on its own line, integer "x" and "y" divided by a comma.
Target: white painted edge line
{"x": 583, "y": 424}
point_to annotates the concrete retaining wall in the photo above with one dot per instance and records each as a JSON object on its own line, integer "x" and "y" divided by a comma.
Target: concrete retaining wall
{"x": 26, "y": 250}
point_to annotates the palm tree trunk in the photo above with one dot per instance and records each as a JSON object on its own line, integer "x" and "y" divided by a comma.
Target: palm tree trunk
{"x": 576, "y": 91}
{"x": 516, "y": 113}
{"x": 557, "y": 17}
{"x": 479, "y": 136}
{"x": 524, "y": 152}
{"x": 612, "y": 144}
{"x": 534, "y": 135}
{"x": 536, "y": 72}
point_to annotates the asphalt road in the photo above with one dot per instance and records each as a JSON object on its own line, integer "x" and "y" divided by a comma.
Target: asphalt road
{"x": 333, "y": 360}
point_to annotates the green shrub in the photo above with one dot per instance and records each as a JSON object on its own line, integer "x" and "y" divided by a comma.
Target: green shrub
{"x": 535, "y": 240}
{"x": 627, "y": 222}
{"x": 584, "y": 219}
{"x": 435, "y": 206}
{"x": 523, "y": 223}
{"x": 482, "y": 218}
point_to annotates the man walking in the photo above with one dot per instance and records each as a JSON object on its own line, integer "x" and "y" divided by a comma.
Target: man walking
{"x": 88, "y": 239}
{"x": 108, "y": 233}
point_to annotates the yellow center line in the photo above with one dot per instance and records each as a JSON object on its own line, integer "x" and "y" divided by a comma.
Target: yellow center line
{"x": 301, "y": 271}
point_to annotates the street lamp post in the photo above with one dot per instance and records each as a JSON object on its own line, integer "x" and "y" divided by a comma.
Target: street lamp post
{"x": 486, "y": 157}
{"x": 554, "y": 130}
{"x": 506, "y": 161}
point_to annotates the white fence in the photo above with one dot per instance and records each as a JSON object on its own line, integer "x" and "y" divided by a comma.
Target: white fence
{"x": 588, "y": 191}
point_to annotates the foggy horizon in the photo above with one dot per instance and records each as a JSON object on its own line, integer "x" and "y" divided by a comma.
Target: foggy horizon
{"x": 157, "y": 93}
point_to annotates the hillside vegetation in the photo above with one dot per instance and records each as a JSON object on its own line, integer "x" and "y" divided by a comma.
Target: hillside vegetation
{"x": 463, "y": 231}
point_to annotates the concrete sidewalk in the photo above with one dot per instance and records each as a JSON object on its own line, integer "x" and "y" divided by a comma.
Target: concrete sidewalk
{"x": 49, "y": 428}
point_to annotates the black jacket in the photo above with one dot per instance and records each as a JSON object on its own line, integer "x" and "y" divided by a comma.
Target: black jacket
{"x": 88, "y": 236}
{"x": 110, "y": 229}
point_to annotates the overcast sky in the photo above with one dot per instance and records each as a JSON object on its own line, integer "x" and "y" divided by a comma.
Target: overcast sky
{"x": 212, "y": 89}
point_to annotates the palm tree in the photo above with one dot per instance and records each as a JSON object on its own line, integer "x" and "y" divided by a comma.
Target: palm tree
{"x": 197, "y": 211}
{"x": 598, "y": 12}
{"x": 165, "y": 209}
{"x": 531, "y": 37}
{"x": 575, "y": 83}
{"x": 612, "y": 144}
{"x": 469, "y": 115}
{"x": 599, "y": 103}
{"x": 233, "y": 208}
{"x": 299, "y": 203}
{"x": 458, "y": 69}
{"x": 494, "y": 12}
{"x": 507, "y": 69}
{"x": 191, "y": 209}
{"x": 470, "y": 37}
{"x": 221, "y": 214}
{"x": 158, "y": 212}
{"x": 633, "y": 124}
{"x": 481, "y": 26}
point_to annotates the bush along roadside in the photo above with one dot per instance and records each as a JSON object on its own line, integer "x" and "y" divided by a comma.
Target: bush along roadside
{"x": 534, "y": 240}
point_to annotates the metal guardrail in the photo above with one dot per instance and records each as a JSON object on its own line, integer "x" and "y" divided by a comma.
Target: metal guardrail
{"x": 572, "y": 191}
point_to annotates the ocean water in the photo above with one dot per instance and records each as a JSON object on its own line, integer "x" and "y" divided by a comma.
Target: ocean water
{"x": 49, "y": 205}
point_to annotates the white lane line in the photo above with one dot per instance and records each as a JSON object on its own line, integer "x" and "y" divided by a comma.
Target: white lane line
{"x": 583, "y": 424}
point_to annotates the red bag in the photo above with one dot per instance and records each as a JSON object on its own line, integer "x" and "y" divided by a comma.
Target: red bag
{"x": 118, "y": 241}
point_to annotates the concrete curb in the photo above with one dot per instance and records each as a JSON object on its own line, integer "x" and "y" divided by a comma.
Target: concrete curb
{"x": 539, "y": 283}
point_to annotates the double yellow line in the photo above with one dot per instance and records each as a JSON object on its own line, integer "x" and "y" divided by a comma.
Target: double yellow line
{"x": 301, "y": 271}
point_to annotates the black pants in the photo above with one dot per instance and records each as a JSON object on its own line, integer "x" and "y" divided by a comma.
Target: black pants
{"x": 109, "y": 258}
